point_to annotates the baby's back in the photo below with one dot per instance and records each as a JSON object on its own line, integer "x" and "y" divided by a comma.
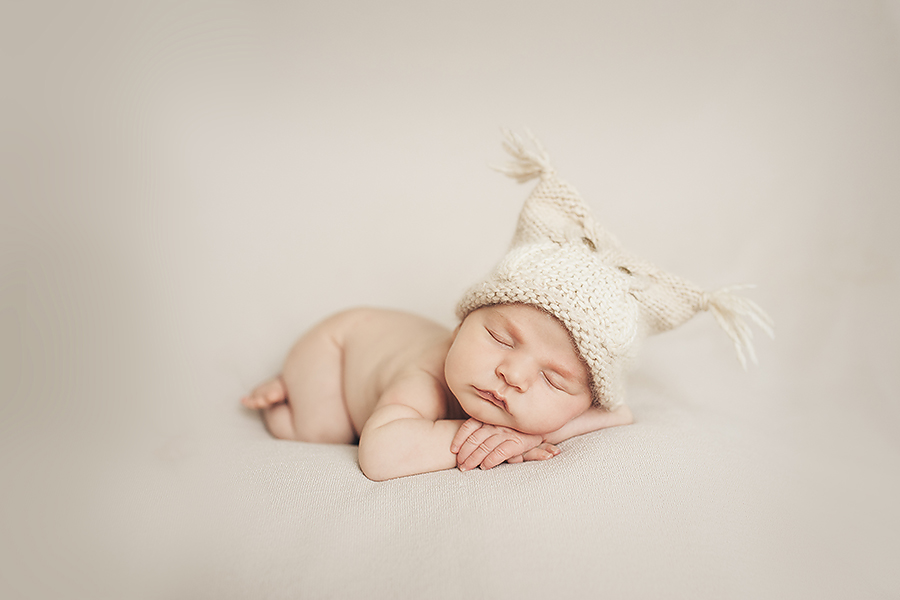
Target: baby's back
{"x": 380, "y": 347}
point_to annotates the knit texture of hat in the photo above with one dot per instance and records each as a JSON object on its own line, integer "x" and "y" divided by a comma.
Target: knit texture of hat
{"x": 565, "y": 263}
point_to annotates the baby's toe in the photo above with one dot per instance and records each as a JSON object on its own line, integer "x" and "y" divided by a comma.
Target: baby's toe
{"x": 267, "y": 394}
{"x": 255, "y": 401}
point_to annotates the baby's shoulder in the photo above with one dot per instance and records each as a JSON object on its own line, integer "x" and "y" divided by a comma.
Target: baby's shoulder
{"x": 400, "y": 353}
{"x": 420, "y": 390}
{"x": 406, "y": 353}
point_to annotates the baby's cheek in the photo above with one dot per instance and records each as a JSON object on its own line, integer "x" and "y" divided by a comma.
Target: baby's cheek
{"x": 459, "y": 366}
{"x": 454, "y": 375}
{"x": 451, "y": 374}
{"x": 544, "y": 423}
{"x": 450, "y": 366}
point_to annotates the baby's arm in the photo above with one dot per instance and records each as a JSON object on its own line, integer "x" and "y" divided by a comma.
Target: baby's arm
{"x": 592, "y": 419}
{"x": 485, "y": 445}
{"x": 404, "y": 436}
{"x": 481, "y": 444}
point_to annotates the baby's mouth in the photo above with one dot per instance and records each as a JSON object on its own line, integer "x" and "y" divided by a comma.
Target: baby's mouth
{"x": 492, "y": 398}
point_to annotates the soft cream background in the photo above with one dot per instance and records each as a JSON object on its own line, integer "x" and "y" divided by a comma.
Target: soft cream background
{"x": 185, "y": 186}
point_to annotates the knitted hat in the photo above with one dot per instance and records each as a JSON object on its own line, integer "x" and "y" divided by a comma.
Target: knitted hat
{"x": 562, "y": 261}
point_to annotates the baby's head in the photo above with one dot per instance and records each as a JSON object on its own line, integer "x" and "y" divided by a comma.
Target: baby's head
{"x": 516, "y": 365}
{"x": 587, "y": 301}
{"x": 566, "y": 269}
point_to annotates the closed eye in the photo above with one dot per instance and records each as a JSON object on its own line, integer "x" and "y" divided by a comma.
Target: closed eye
{"x": 550, "y": 382}
{"x": 499, "y": 339}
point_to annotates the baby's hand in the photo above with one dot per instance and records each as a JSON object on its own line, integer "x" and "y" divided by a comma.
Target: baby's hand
{"x": 478, "y": 443}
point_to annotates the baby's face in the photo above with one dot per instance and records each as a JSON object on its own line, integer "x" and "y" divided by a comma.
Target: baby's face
{"x": 514, "y": 365}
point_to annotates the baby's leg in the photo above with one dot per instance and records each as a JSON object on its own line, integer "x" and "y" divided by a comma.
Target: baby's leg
{"x": 306, "y": 402}
{"x": 271, "y": 398}
{"x": 313, "y": 374}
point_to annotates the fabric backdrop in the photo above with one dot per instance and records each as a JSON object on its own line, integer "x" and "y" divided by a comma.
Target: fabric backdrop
{"x": 186, "y": 186}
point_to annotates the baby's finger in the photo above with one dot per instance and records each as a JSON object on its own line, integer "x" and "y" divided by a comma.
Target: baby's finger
{"x": 502, "y": 453}
{"x": 542, "y": 452}
{"x": 476, "y": 456}
{"x": 472, "y": 445}
{"x": 465, "y": 430}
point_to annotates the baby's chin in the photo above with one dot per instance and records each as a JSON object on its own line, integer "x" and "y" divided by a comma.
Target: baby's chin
{"x": 519, "y": 427}
{"x": 535, "y": 431}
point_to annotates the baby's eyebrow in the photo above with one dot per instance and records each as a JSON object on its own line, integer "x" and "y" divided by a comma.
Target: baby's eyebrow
{"x": 512, "y": 328}
{"x": 562, "y": 371}
{"x": 501, "y": 321}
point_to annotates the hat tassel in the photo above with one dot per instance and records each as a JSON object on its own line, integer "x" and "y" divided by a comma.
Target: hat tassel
{"x": 729, "y": 310}
{"x": 526, "y": 165}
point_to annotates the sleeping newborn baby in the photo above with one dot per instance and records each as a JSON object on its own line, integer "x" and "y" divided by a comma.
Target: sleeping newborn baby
{"x": 538, "y": 357}
{"x": 404, "y": 387}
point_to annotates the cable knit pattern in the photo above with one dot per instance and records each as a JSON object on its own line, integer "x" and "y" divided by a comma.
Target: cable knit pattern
{"x": 562, "y": 261}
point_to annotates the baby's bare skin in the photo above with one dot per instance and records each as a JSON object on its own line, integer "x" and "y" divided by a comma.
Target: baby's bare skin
{"x": 380, "y": 377}
{"x": 336, "y": 373}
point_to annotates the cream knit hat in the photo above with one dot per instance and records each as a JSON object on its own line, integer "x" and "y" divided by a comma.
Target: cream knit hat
{"x": 565, "y": 263}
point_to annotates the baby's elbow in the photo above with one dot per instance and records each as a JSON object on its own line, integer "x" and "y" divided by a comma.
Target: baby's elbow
{"x": 374, "y": 476}
{"x": 372, "y": 463}
{"x": 372, "y": 470}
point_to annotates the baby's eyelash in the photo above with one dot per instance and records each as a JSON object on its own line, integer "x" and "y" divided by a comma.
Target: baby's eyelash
{"x": 498, "y": 339}
{"x": 547, "y": 379}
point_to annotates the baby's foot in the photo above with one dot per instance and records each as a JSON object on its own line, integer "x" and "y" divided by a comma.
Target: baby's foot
{"x": 266, "y": 394}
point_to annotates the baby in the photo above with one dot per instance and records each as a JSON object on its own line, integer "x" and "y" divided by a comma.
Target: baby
{"x": 404, "y": 387}
{"x": 538, "y": 357}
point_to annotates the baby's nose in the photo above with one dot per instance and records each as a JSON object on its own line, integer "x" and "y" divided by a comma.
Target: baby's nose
{"x": 514, "y": 374}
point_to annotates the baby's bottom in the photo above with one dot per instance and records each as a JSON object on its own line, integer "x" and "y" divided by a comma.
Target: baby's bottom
{"x": 306, "y": 402}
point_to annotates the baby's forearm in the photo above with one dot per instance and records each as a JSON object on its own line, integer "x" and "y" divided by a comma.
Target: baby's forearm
{"x": 591, "y": 420}
{"x": 405, "y": 445}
